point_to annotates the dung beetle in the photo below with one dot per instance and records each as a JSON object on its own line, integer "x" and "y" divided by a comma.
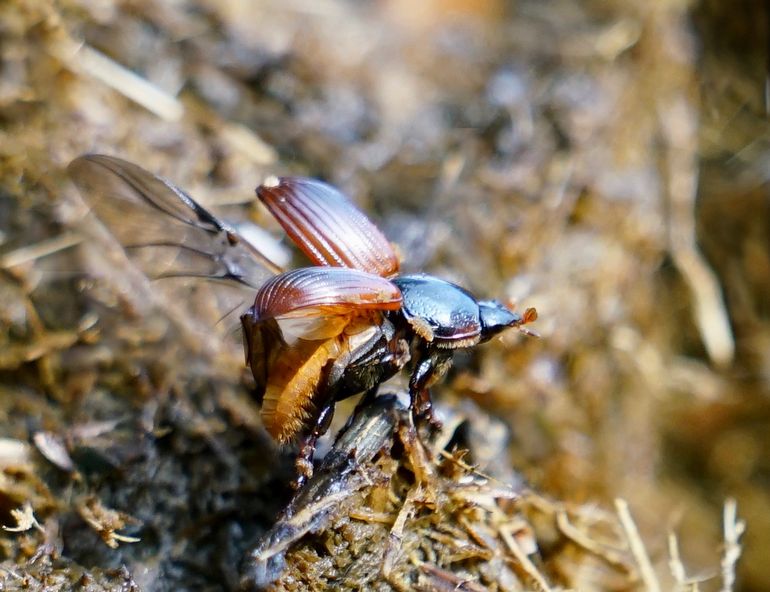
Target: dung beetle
{"x": 314, "y": 335}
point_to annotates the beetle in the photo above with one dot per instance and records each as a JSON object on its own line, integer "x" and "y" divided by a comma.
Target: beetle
{"x": 314, "y": 335}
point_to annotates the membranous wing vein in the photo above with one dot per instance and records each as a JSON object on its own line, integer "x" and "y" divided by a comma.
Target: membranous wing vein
{"x": 165, "y": 231}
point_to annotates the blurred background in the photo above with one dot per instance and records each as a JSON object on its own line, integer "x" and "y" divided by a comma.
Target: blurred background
{"x": 603, "y": 161}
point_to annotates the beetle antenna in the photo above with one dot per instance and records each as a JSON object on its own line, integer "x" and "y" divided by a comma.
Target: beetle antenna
{"x": 529, "y": 316}
{"x": 528, "y": 332}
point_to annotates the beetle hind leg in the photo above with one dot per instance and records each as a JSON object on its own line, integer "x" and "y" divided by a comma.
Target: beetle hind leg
{"x": 304, "y": 460}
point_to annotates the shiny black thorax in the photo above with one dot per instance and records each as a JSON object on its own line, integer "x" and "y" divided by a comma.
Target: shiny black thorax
{"x": 447, "y": 315}
{"x": 436, "y": 318}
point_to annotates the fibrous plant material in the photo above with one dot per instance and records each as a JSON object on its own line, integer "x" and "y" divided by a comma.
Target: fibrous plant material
{"x": 387, "y": 510}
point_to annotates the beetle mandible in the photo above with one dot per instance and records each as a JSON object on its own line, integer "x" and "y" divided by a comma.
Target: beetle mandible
{"x": 314, "y": 335}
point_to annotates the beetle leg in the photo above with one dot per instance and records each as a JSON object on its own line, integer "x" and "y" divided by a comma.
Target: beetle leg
{"x": 368, "y": 364}
{"x": 337, "y": 384}
{"x": 329, "y": 392}
{"x": 431, "y": 366}
{"x": 304, "y": 461}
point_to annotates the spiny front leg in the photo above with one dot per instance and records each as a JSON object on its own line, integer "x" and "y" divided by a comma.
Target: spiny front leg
{"x": 430, "y": 366}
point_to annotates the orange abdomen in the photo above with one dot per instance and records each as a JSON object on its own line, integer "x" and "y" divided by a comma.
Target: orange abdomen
{"x": 292, "y": 383}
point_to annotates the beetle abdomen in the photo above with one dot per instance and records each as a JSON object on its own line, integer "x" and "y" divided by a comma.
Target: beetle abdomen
{"x": 292, "y": 383}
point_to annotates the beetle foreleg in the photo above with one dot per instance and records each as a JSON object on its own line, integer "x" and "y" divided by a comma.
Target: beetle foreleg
{"x": 430, "y": 367}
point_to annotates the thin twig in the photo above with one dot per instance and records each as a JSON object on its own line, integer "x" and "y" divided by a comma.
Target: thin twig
{"x": 524, "y": 560}
{"x": 397, "y": 533}
{"x": 677, "y": 567}
{"x": 84, "y": 59}
{"x": 591, "y": 545}
{"x": 40, "y": 249}
{"x": 636, "y": 545}
{"x": 680, "y": 129}
{"x": 733, "y": 529}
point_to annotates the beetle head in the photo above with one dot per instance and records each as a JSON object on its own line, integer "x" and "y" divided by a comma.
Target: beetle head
{"x": 496, "y": 317}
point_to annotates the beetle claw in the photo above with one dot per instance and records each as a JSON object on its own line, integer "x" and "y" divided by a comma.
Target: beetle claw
{"x": 304, "y": 468}
{"x": 434, "y": 424}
